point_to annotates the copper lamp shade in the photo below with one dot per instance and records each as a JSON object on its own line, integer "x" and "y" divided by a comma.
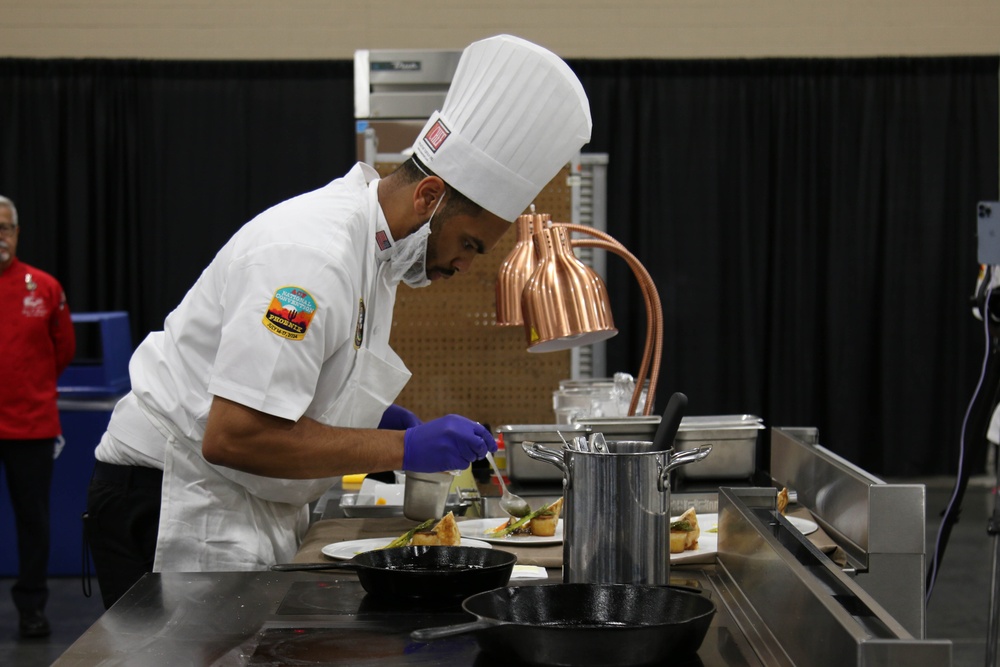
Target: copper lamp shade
{"x": 515, "y": 271}
{"x": 564, "y": 303}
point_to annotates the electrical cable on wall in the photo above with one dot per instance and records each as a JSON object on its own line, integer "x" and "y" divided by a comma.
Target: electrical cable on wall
{"x": 951, "y": 512}
{"x": 985, "y": 400}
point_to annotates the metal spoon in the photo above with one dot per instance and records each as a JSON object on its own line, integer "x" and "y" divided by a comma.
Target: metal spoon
{"x": 512, "y": 504}
{"x": 566, "y": 444}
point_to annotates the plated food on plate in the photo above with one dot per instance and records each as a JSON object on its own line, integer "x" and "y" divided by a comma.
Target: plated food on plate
{"x": 684, "y": 532}
{"x": 482, "y": 529}
{"x": 444, "y": 533}
{"x": 540, "y": 523}
{"x": 783, "y": 499}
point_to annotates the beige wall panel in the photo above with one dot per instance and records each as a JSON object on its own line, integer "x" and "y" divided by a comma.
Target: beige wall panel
{"x": 321, "y": 29}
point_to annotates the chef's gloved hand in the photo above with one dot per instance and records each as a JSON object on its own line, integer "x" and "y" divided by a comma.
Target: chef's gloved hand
{"x": 451, "y": 442}
{"x": 398, "y": 418}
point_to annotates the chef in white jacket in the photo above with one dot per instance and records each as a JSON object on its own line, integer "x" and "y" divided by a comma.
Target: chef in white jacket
{"x": 274, "y": 375}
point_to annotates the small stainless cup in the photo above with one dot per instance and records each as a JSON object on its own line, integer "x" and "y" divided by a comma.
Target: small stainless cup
{"x": 426, "y": 494}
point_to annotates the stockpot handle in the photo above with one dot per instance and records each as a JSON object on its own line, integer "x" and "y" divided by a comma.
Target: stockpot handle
{"x": 542, "y": 453}
{"x": 679, "y": 459}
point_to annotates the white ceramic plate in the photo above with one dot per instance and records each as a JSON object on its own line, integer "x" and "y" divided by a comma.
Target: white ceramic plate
{"x": 477, "y": 529}
{"x": 708, "y": 540}
{"x": 804, "y": 526}
{"x": 351, "y": 548}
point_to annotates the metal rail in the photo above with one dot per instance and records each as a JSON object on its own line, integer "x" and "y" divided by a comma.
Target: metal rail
{"x": 880, "y": 526}
{"x": 797, "y": 606}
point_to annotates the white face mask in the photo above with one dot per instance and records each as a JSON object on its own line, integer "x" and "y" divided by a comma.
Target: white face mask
{"x": 409, "y": 263}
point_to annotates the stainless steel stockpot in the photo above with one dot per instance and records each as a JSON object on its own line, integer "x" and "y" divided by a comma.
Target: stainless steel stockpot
{"x": 616, "y": 510}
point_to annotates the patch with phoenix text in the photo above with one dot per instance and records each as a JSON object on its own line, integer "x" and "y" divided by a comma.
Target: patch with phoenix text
{"x": 291, "y": 310}
{"x": 436, "y": 135}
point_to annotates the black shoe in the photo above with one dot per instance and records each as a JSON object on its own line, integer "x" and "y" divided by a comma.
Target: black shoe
{"x": 34, "y": 624}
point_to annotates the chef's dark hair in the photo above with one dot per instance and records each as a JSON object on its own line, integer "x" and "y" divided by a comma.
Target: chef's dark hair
{"x": 413, "y": 170}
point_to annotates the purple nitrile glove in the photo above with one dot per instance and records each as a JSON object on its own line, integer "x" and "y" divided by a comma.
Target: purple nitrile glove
{"x": 451, "y": 442}
{"x": 398, "y": 418}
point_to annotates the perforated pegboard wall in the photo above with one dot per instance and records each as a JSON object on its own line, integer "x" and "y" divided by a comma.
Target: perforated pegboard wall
{"x": 461, "y": 361}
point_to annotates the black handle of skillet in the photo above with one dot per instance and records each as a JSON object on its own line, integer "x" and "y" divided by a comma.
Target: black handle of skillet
{"x": 670, "y": 422}
{"x": 440, "y": 632}
{"x": 302, "y": 567}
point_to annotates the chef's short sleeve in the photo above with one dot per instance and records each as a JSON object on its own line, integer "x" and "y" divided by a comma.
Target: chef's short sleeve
{"x": 285, "y": 310}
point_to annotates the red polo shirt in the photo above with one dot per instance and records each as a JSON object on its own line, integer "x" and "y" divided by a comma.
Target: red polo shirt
{"x": 36, "y": 343}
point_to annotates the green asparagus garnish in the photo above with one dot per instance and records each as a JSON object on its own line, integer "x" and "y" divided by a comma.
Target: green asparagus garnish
{"x": 405, "y": 538}
{"x": 520, "y": 522}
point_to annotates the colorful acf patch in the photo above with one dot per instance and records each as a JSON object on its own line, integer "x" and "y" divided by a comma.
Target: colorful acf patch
{"x": 291, "y": 310}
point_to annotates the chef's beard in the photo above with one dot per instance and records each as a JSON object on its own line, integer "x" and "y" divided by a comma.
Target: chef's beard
{"x": 4, "y": 252}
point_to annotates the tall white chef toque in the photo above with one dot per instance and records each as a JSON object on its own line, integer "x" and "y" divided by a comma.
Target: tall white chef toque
{"x": 515, "y": 114}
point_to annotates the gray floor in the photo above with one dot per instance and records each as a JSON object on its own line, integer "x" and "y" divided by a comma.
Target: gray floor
{"x": 957, "y": 611}
{"x": 959, "y": 605}
{"x": 70, "y": 613}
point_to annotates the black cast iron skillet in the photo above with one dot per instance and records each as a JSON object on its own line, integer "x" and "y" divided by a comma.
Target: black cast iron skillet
{"x": 425, "y": 572}
{"x": 584, "y": 625}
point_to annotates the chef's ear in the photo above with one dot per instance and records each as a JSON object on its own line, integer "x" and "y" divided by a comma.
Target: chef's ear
{"x": 428, "y": 194}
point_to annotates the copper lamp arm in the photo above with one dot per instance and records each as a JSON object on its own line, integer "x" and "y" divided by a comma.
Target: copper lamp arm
{"x": 653, "y": 348}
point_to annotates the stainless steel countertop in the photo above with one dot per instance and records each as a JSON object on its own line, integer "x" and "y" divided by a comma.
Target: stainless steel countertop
{"x": 248, "y": 618}
{"x": 271, "y": 618}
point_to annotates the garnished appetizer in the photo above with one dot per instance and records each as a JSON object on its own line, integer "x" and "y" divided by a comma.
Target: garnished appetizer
{"x": 684, "y": 532}
{"x": 442, "y": 534}
{"x": 782, "y": 501}
{"x": 540, "y": 523}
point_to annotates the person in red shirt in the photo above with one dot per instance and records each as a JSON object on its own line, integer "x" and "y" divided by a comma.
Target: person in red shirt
{"x": 38, "y": 342}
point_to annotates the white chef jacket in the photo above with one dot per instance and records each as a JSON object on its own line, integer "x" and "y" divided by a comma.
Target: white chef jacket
{"x": 276, "y": 322}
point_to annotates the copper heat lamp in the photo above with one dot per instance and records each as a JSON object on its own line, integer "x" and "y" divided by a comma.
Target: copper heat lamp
{"x": 563, "y": 303}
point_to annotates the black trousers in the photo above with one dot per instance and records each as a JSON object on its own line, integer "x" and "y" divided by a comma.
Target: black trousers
{"x": 122, "y": 519}
{"x": 28, "y": 468}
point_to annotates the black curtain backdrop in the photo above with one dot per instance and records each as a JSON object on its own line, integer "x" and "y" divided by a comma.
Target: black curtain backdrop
{"x": 130, "y": 175}
{"x": 810, "y": 224}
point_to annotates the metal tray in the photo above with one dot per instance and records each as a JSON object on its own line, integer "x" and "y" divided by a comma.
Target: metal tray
{"x": 734, "y": 445}
{"x": 521, "y": 467}
{"x": 733, "y": 439}
{"x": 348, "y": 503}
{"x": 623, "y": 428}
